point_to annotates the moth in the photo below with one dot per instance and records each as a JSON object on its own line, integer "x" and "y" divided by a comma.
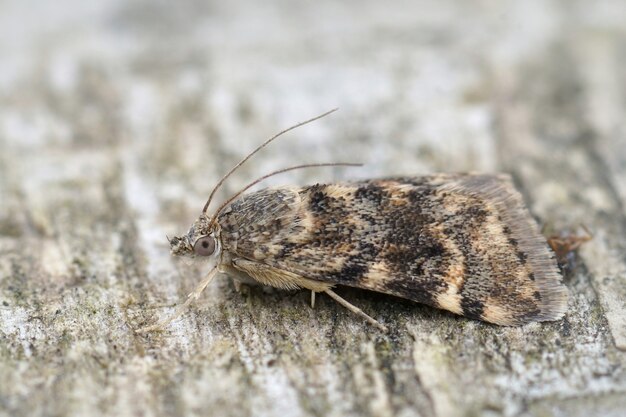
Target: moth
{"x": 459, "y": 242}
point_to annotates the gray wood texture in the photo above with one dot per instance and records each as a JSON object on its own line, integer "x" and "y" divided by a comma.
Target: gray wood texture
{"x": 116, "y": 118}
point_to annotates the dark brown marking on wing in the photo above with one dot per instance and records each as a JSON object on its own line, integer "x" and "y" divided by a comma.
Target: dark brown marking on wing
{"x": 413, "y": 251}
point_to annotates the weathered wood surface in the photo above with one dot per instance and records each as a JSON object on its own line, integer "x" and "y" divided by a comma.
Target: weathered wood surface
{"x": 117, "y": 118}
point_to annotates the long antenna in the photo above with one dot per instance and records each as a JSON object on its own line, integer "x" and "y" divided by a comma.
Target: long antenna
{"x": 220, "y": 182}
{"x": 280, "y": 171}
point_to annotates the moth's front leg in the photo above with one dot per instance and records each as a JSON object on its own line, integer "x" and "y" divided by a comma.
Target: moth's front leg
{"x": 240, "y": 279}
{"x": 258, "y": 273}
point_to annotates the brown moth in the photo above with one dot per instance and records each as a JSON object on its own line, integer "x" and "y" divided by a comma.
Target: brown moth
{"x": 460, "y": 242}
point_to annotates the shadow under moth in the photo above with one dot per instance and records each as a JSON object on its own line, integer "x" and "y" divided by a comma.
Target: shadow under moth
{"x": 460, "y": 242}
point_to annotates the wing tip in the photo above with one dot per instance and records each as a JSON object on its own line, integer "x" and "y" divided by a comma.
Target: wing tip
{"x": 553, "y": 294}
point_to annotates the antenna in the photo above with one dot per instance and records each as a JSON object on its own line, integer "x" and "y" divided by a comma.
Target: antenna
{"x": 221, "y": 181}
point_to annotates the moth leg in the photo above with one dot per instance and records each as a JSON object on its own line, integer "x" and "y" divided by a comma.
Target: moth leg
{"x": 278, "y": 278}
{"x": 241, "y": 287}
{"x": 356, "y": 310}
{"x": 312, "y": 299}
{"x": 240, "y": 279}
{"x": 183, "y": 307}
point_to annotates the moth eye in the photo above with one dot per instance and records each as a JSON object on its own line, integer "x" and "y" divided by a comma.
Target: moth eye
{"x": 205, "y": 246}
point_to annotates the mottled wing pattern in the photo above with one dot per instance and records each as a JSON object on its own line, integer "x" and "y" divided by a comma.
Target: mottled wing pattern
{"x": 464, "y": 243}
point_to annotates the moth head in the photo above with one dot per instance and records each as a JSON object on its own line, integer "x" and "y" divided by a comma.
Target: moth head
{"x": 203, "y": 237}
{"x": 200, "y": 241}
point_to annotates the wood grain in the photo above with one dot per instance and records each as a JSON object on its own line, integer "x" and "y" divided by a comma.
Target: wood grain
{"x": 117, "y": 119}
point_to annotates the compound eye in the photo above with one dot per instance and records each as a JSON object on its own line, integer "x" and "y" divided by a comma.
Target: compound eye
{"x": 205, "y": 246}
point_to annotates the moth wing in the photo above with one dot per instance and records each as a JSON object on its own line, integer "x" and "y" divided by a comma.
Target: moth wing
{"x": 464, "y": 243}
